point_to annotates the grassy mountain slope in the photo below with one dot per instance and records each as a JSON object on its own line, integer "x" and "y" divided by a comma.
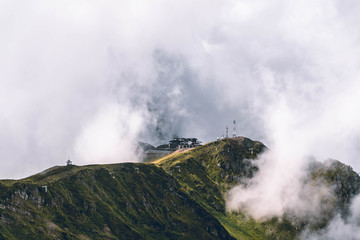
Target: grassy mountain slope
{"x": 208, "y": 172}
{"x": 103, "y": 202}
{"x": 180, "y": 196}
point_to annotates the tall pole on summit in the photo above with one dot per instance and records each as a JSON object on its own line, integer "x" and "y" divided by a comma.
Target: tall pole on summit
{"x": 234, "y": 129}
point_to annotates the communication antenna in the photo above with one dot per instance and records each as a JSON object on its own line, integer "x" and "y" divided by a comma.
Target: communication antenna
{"x": 227, "y": 131}
{"x": 234, "y": 129}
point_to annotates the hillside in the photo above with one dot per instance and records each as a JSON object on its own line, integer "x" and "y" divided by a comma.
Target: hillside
{"x": 123, "y": 201}
{"x": 180, "y": 196}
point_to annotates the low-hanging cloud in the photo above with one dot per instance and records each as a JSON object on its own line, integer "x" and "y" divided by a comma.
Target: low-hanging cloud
{"x": 309, "y": 84}
{"x": 90, "y": 79}
{"x": 339, "y": 228}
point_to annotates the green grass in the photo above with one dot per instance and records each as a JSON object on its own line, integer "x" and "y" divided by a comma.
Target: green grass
{"x": 180, "y": 196}
{"x": 209, "y": 171}
{"x": 97, "y": 202}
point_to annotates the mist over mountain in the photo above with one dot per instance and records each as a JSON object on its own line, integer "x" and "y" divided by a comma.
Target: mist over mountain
{"x": 187, "y": 194}
{"x": 90, "y": 80}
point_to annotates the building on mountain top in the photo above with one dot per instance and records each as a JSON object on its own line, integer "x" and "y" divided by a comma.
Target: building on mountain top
{"x": 173, "y": 145}
{"x": 178, "y": 143}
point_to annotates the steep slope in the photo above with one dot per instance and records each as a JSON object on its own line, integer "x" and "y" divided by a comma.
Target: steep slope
{"x": 123, "y": 201}
{"x": 208, "y": 172}
{"x": 342, "y": 179}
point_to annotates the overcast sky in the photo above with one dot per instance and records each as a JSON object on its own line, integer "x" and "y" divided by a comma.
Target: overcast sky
{"x": 91, "y": 78}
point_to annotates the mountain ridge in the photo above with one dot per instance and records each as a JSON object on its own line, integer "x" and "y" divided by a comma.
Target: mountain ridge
{"x": 180, "y": 196}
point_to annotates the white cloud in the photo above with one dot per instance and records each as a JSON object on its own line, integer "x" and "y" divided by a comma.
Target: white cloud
{"x": 109, "y": 138}
{"x": 339, "y": 228}
{"x": 63, "y": 62}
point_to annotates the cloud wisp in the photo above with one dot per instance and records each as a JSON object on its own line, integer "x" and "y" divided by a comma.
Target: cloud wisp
{"x": 91, "y": 79}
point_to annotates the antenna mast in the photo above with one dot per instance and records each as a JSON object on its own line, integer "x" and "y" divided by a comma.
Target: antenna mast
{"x": 234, "y": 129}
{"x": 227, "y": 131}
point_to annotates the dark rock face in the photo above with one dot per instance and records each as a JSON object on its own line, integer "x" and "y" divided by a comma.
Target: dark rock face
{"x": 238, "y": 154}
{"x": 344, "y": 180}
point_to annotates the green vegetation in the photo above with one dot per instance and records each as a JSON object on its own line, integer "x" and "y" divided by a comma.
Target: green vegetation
{"x": 180, "y": 196}
{"x": 208, "y": 172}
{"x": 342, "y": 178}
{"x": 103, "y": 202}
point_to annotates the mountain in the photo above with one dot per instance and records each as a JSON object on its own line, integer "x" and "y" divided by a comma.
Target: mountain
{"x": 142, "y": 147}
{"x": 180, "y": 196}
